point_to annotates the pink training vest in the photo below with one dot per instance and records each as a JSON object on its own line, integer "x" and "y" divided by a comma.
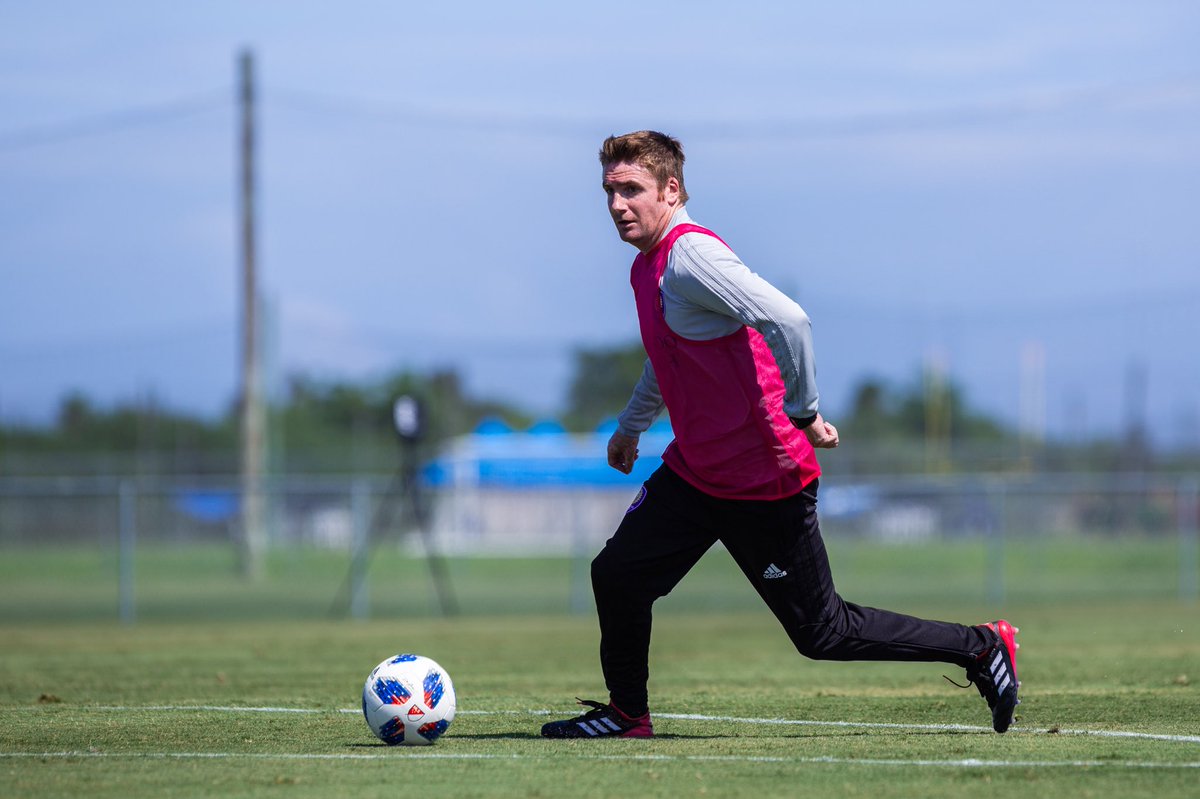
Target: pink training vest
{"x": 725, "y": 397}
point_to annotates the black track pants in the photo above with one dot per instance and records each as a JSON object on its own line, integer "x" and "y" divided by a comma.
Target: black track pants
{"x": 778, "y": 546}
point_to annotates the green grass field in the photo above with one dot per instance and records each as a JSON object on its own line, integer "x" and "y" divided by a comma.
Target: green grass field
{"x": 194, "y": 699}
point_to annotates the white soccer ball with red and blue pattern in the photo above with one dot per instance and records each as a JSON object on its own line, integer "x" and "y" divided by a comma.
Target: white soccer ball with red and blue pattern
{"x": 408, "y": 700}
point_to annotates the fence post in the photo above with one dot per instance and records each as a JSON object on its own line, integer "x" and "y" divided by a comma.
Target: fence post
{"x": 126, "y": 548}
{"x": 994, "y": 567}
{"x": 1187, "y": 504}
{"x": 360, "y": 501}
{"x": 580, "y": 591}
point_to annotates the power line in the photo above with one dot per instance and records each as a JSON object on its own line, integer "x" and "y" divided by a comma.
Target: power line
{"x": 1183, "y": 89}
{"x": 116, "y": 120}
{"x": 1001, "y": 312}
{"x": 465, "y": 119}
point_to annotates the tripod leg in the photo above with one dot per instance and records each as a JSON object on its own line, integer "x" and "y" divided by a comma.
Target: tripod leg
{"x": 437, "y": 565}
{"x": 360, "y": 557}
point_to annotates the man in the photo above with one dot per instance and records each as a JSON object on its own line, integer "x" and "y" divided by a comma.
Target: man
{"x": 730, "y": 358}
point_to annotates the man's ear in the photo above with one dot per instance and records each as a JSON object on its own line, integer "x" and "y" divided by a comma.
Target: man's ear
{"x": 670, "y": 191}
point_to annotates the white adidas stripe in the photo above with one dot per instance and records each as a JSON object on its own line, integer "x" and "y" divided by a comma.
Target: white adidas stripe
{"x": 1000, "y": 676}
{"x": 596, "y": 727}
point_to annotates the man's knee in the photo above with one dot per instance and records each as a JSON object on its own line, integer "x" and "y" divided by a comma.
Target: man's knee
{"x": 606, "y": 571}
{"x": 823, "y": 639}
{"x": 616, "y": 581}
{"x": 816, "y": 641}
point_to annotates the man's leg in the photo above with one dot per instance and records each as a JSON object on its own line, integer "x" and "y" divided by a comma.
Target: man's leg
{"x": 779, "y": 548}
{"x": 797, "y": 585}
{"x": 661, "y": 537}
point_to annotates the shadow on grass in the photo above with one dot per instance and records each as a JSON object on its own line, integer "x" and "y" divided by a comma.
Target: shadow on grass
{"x": 806, "y": 735}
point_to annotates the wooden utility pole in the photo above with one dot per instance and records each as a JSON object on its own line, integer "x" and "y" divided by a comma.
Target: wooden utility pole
{"x": 253, "y": 439}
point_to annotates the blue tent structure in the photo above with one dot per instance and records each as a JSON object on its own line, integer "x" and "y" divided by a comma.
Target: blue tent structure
{"x": 544, "y": 456}
{"x": 547, "y": 456}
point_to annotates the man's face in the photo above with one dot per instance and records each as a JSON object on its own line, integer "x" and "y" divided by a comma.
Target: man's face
{"x": 639, "y": 209}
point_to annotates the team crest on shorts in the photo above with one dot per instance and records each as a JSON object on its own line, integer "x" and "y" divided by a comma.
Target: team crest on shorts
{"x": 637, "y": 501}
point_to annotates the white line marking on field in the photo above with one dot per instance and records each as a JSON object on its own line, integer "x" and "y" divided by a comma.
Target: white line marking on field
{"x": 880, "y": 725}
{"x": 872, "y": 725}
{"x": 408, "y": 753}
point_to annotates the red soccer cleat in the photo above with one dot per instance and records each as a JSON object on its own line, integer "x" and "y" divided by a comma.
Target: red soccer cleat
{"x": 602, "y": 721}
{"x": 995, "y": 674}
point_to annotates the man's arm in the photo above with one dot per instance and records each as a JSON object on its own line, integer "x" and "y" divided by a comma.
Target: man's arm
{"x": 644, "y": 406}
{"x": 709, "y": 279}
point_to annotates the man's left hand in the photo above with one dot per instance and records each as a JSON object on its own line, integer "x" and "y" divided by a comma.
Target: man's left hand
{"x": 821, "y": 434}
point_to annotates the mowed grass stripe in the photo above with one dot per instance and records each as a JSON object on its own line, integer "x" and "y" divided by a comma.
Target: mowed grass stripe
{"x": 1118, "y": 665}
{"x": 967, "y": 763}
{"x": 880, "y": 725}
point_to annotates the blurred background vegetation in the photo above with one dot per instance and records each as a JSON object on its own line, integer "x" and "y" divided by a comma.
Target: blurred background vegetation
{"x": 924, "y": 425}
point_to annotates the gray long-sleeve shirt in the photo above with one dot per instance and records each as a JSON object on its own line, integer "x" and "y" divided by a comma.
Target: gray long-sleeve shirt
{"x": 707, "y": 293}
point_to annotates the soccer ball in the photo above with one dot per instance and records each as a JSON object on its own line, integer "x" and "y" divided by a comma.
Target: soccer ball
{"x": 408, "y": 700}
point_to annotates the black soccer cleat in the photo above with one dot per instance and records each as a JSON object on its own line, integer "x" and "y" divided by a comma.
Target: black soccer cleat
{"x": 995, "y": 674}
{"x": 602, "y": 721}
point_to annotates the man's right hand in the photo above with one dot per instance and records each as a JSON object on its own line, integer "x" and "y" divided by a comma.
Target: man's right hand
{"x": 622, "y": 452}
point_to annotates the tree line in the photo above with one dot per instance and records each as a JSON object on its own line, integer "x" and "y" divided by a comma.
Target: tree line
{"x": 339, "y": 424}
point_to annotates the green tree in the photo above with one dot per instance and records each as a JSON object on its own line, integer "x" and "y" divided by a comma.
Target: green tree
{"x": 338, "y": 424}
{"x": 869, "y": 414}
{"x": 602, "y": 380}
{"x": 924, "y": 425}
{"x": 317, "y": 426}
{"x": 925, "y": 408}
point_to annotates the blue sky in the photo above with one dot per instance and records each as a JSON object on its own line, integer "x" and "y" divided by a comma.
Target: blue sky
{"x": 1007, "y": 192}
